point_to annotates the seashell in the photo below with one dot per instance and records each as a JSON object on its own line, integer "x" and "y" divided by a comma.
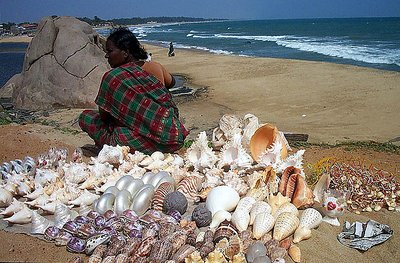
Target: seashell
{"x": 163, "y": 253}
{"x": 49, "y": 208}
{"x": 146, "y": 161}
{"x": 303, "y": 196}
{"x": 35, "y": 194}
{"x": 105, "y": 202}
{"x": 122, "y": 258}
{"x": 142, "y": 200}
{"x": 234, "y": 248}
{"x": 259, "y": 207}
{"x": 109, "y": 259}
{"x": 190, "y": 186}
{"x": 275, "y": 201}
{"x": 285, "y": 225}
{"x": 84, "y": 210}
{"x": 222, "y": 198}
{"x": 24, "y": 216}
{"x": 70, "y": 227}
{"x": 199, "y": 154}
{"x": 288, "y": 181}
{"x": 97, "y": 254}
{"x": 157, "y": 178}
{"x": 263, "y": 138}
{"x": 63, "y": 238}
{"x": 14, "y": 207}
{"x": 175, "y": 201}
{"x": 39, "y": 223}
{"x": 183, "y": 252}
{"x": 241, "y": 219}
{"x": 62, "y": 214}
{"x": 207, "y": 248}
{"x": 157, "y": 155}
{"x": 233, "y": 153}
{"x": 246, "y": 237}
{"x": 216, "y": 257}
{"x": 287, "y": 207}
{"x": 295, "y": 160}
{"x": 76, "y": 245}
{"x": 219, "y": 217}
{"x": 124, "y": 181}
{"x": 86, "y": 198}
{"x": 41, "y": 200}
{"x": 246, "y": 203}
{"x": 122, "y": 201}
{"x": 194, "y": 257}
{"x": 263, "y": 223}
{"x": 159, "y": 196}
{"x": 321, "y": 187}
{"x": 157, "y": 165}
{"x": 202, "y": 216}
{"x": 93, "y": 242}
{"x": 225, "y": 230}
{"x": 6, "y": 197}
{"x": 113, "y": 154}
{"x": 51, "y": 233}
{"x": 309, "y": 219}
{"x": 165, "y": 178}
{"x": 295, "y": 253}
{"x": 179, "y": 239}
{"x": 145, "y": 247}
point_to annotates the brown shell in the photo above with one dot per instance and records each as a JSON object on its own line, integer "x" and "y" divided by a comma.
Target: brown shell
{"x": 162, "y": 251}
{"x": 191, "y": 238}
{"x": 303, "y": 196}
{"x": 263, "y": 138}
{"x": 190, "y": 186}
{"x": 245, "y": 236}
{"x": 287, "y": 183}
{"x": 182, "y": 253}
{"x": 131, "y": 245}
{"x": 235, "y": 247}
{"x": 122, "y": 258}
{"x": 166, "y": 228}
{"x": 145, "y": 247}
{"x": 208, "y": 236}
{"x": 206, "y": 249}
{"x": 109, "y": 259}
{"x": 160, "y": 194}
{"x": 178, "y": 239}
{"x": 114, "y": 247}
{"x": 225, "y": 230}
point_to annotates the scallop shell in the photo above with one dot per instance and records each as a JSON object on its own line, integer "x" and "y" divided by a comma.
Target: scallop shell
{"x": 222, "y": 198}
{"x": 263, "y": 138}
{"x": 285, "y": 225}
{"x": 246, "y": 203}
{"x": 259, "y": 207}
{"x": 263, "y": 223}
{"x": 23, "y": 216}
{"x": 122, "y": 201}
{"x": 142, "y": 200}
{"x": 241, "y": 219}
{"x": 160, "y": 194}
{"x": 105, "y": 202}
{"x": 39, "y": 223}
{"x": 287, "y": 207}
{"x": 309, "y": 219}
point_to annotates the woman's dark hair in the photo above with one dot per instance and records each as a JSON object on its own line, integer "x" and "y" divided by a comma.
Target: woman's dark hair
{"x": 125, "y": 40}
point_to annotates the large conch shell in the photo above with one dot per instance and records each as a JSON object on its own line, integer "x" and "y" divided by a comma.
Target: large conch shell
{"x": 222, "y": 198}
{"x": 5, "y": 197}
{"x": 199, "y": 154}
{"x": 39, "y": 223}
{"x": 263, "y": 138}
{"x": 285, "y": 225}
{"x": 309, "y": 219}
{"x": 113, "y": 155}
{"x": 13, "y": 208}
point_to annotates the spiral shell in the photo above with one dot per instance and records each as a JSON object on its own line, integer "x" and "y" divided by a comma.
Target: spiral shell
{"x": 241, "y": 219}
{"x": 190, "y": 186}
{"x": 259, "y": 207}
{"x": 23, "y": 216}
{"x": 162, "y": 191}
{"x": 309, "y": 219}
{"x": 39, "y": 223}
{"x": 286, "y": 223}
{"x": 263, "y": 223}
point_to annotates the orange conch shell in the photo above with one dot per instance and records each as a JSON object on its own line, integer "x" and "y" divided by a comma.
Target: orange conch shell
{"x": 263, "y": 138}
{"x": 303, "y": 195}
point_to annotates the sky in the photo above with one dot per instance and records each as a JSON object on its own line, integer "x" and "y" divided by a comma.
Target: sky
{"x": 18, "y": 11}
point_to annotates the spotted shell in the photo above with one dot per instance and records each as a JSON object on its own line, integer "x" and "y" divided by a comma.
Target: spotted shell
{"x": 263, "y": 223}
{"x": 160, "y": 194}
{"x": 285, "y": 225}
{"x": 259, "y": 207}
{"x": 145, "y": 247}
{"x": 309, "y": 219}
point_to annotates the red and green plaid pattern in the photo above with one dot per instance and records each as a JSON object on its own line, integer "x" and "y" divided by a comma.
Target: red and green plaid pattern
{"x": 142, "y": 105}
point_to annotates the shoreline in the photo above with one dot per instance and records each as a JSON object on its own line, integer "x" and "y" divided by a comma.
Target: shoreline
{"x": 16, "y": 39}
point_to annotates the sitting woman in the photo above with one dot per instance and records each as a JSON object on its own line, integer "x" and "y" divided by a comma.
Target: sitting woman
{"x": 135, "y": 105}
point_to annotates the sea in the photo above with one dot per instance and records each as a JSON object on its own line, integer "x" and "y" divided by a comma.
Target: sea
{"x": 366, "y": 42}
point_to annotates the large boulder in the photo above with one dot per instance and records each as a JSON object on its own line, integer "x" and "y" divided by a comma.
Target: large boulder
{"x": 63, "y": 66}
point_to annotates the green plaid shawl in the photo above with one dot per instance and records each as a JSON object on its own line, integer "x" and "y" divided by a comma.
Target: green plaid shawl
{"x": 143, "y": 106}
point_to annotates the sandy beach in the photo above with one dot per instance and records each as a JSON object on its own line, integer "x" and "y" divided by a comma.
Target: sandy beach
{"x": 330, "y": 102}
{"x": 15, "y": 39}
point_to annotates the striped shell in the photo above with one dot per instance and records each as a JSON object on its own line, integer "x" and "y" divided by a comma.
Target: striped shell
{"x": 259, "y": 207}
{"x": 235, "y": 247}
{"x": 310, "y": 219}
{"x": 160, "y": 194}
{"x": 285, "y": 225}
{"x": 179, "y": 239}
{"x": 263, "y": 223}
{"x": 183, "y": 252}
{"x": 145, "y": 247}
{"x": 161, "y": 251}
{"x": 190, "y": 186}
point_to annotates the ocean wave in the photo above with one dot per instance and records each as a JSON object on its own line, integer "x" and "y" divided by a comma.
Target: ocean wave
{"x": 216, "y": 51}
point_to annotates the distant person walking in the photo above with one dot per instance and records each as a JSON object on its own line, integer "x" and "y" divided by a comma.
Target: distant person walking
{"x": 171, "y": 51}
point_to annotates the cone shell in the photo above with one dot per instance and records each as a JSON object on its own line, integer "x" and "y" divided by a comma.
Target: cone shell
{"x": 263, "y": 223}
{"x": 259, "y": 207}
{"x": 241, "y": 219}
{"x": 263, "y": 138}
{"x": 287, "y": 207}
{"x": 295, "y": 253}
{"x": 285, "y": 225}
{"x": 246, "y": 203}
{"x": 310, "y": 219}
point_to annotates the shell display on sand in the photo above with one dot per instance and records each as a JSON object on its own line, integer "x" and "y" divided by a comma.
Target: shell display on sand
{"x": 222, "y": 198}
{"x": 285, "y": 225}
{"x": 309, "y": 219}
{"x": 263, "y": 223}
{"x": 23, "y": 216}
{"x": 199, "y": 154}
{"x": 39, "y": 223}
{"x": 259, "y": 207}
{"x": 241, "y": 219}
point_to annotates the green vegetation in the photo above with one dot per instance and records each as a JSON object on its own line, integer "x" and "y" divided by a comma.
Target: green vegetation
{"x": 354, "y": 145}
{"x": 4, "y": 121}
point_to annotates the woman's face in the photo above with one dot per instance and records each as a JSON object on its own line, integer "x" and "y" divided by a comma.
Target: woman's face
{"x": 115, "y": 56}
